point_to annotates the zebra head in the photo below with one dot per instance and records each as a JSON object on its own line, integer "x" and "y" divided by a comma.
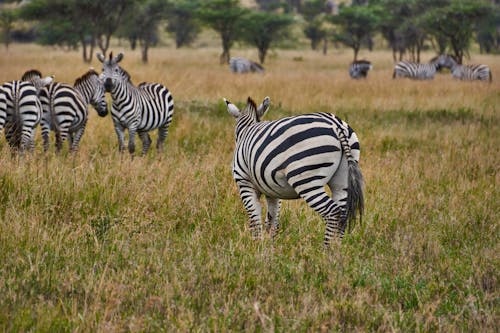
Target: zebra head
{"x": 444, "y": 60}
{"x": 251, "y": 110}
{"x": 92, "y": 87}
{"x": 35, "y": 77}
{"x": 111, "y": 71}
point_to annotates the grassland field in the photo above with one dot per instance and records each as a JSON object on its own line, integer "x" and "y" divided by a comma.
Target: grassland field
{"x": 97, "y": 242}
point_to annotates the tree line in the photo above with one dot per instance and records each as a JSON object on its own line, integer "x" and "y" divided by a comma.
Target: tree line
{"x": 408, "y": 26}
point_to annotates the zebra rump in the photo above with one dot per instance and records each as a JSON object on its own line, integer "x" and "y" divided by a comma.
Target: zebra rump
{"x": 359, "y": 69}
{"x": 296, "y": 157}
{"x": 242, "y": 65}
{"x": 20, "y": 109}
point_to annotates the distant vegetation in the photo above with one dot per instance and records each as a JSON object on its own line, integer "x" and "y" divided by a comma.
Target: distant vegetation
{"x": 408, "y": 26}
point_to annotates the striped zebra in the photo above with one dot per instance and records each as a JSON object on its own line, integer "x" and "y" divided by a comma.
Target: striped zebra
{"x": 242, "y": 65}
{"x": 359, "y": 69}
{"x": 296, "y": 157}
{"x": 21, "y": 109}
{"x": 140, "y": 109}
{"x": 466, "y": 72}
{"x": 65, "y": 108}
{"x": 417, "y": 71}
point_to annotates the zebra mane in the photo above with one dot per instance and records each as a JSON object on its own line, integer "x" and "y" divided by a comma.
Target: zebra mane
{"x": 251, "y": 108}
{"x": 365, "y": 62}
{"x": 32, "y": 73}
{"x": 85, "y": 76}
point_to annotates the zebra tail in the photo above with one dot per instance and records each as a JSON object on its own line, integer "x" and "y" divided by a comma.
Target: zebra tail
{"x": 355, "y": 184}
{"x": 355, "y": 195}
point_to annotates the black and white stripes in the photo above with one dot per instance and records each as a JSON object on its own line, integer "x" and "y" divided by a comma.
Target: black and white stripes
{"x": 359, "y": 69}
{"x": 416, "y": 71}
{"x": 296, "y": 157}
{"x": 242, "y": 65}
{"x": 21, "y": 110}
{"x": 466, "y": 72}
{"x": 65, "y": 108}
{"x": 139, "y": 109}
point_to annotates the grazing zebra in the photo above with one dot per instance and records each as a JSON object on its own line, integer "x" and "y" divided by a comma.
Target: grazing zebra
{"x": 466, "y": 72}
{"x": 242, "y": 65}
{"x": 65, "y": 108}
{"x": 359, "y": 69}
{"x": 296, "y": 157}
{"x": 140, "y": 109}
{"x": 417, "y": 71}
{"x": 21, "y": 109}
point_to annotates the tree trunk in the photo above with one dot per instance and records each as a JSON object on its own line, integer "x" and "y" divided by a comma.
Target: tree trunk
{"x": 224, "y": 57}
{"x": 144, "y": 52}
{"x": 356, "y": 51}
{"x": 325, "y": 46}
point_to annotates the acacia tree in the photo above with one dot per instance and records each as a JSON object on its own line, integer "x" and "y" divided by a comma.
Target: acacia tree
{"x": 223, "y": 16}
{"x": 183, "y": 23}
{"x": 262, "y": 29}
{"x": 70, "y": 22}
{"x": 7, "y": 19}
{"x": 455, "y": 23}
{"x": 313, "y": 12}
{"x": 356, "y": 24}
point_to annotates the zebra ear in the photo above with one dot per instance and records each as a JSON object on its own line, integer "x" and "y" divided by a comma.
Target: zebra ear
{"x": 47, "y": 80}
{"x": 232, "y": 109}
{"x": 262, "y": 109}
{"x": 119, "y": 57}
{"x": 100, "y": 56}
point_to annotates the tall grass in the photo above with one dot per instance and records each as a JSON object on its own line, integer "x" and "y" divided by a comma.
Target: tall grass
{"x": 99, "y": 242}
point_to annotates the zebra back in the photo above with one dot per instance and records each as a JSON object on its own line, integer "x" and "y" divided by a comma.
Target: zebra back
{"x": 242, "y": 65}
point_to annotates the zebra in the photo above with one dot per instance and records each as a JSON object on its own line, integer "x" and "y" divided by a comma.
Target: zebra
{"x": 466, "y": 72}
{"x": 358, "y": 69}
{"x": 140, "y": 109}
{"x": 21, "y": 109}
{"x": 295, "y": 157}
{"x": 242, "y": 65}
{"x": 65, "y": 108}
{"x": 417, "y": 71}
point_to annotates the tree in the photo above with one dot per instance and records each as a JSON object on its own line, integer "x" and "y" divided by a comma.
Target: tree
{"x": 142, "y": 24}
{"x": 183, "y": 23}
{"x": 7, "y": 19}
{"x": 223, "y": 16}
{"x": 262, "y": 28}
{"x": 456, "y": 23}
{"x": 90, "y": 22}
{"x": 313, "y": 12}
{"x": 356, "y": 24}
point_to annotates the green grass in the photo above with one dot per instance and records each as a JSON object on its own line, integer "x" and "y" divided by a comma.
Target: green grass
{"x": 99, "y": 242}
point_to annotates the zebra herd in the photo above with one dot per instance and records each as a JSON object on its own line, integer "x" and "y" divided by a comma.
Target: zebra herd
{"x": 289, "y": 158}
{"x": 419, "y": 71}
{"x": 358, "y": 69}
{"x": 63, "y": 109}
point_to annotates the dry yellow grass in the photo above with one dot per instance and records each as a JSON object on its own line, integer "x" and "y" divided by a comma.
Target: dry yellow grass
{"x": 97, "y": 242}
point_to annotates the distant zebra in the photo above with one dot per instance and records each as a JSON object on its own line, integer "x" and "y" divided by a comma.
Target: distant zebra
{"x": 359, "y": 69}
{"x": 65, "y": 108}
{"x": 417, "y": 71}
{"x": 242, "y": 65}
{"x": 296, "y": 157}
{"x": 466, "y": 72}
{"x": 140, "y": 109}
{"x": 21, "y": 109}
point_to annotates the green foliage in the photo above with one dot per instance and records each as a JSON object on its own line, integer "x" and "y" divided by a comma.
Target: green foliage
{"x": 356, "y": 24}
{"x": 456, "y": 22}
{"x": 261, "y": 29}
{"x": 223, "y": 16}
{"x": 183, "y": 22}
{"x": 7, "y": 19}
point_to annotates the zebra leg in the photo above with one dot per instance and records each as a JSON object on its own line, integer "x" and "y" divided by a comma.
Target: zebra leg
{"x": 131, "y": 140}
{"x": 120, "y": 133}
{"x": 162, "y": 136}
{"x": 74, "y": 142}
{"x": 146, "y": 142}
{"x": 272, "y": 216}
{"x": 250, "y": 198}
{"x": 316, "y": 197}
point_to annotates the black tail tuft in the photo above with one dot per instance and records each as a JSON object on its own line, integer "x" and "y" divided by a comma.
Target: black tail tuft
{"x": 355, "y": 196}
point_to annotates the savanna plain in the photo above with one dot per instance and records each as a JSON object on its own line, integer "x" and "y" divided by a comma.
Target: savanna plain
{"x": 96, "y": 241}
